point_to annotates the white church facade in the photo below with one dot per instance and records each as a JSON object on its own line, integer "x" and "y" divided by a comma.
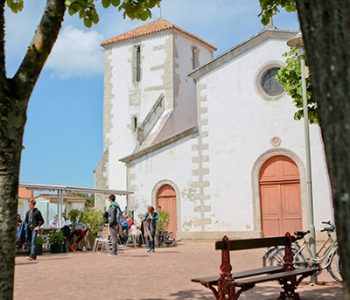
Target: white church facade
{"x": 211, "y": 140}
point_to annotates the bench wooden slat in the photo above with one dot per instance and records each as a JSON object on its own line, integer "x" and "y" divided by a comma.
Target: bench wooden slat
{"x": 245, "y": 244}
{"x": 255, "y": 272}
{"x": 276, "y": 276}
{"x": 205, "y": 280}
{"x": 214, "y": 279}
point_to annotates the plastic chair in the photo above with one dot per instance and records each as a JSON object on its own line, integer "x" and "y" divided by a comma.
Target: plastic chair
{"x": 134, "y": 236}
{"x": 103, "y": 241}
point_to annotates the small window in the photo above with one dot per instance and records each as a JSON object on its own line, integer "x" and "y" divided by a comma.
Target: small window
{"x": 195, "y": 58}
{"x": 137, "y": 63}
{"x": 134, "y": 123}
{"x": 269, "y": 83}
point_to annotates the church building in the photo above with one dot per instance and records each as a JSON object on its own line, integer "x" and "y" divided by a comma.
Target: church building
{"x": 211, "y": 140}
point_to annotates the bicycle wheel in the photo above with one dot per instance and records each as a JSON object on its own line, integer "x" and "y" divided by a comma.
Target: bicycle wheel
{"x": 334, "y": 268}
{"x": 268, "y": 255}
{"x": 277, "y": 258}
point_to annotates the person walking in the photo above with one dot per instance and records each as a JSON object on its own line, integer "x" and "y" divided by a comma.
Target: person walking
{"x": 34, "y": 221}
{"x": 115, "y": 228}
{"x": 150, "y": 228}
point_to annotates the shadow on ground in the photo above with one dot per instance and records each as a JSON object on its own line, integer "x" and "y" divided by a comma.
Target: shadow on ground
{"x": 261, "y": 293}
{"x": 188, "y": 294}
{"x": 312, "y": 293}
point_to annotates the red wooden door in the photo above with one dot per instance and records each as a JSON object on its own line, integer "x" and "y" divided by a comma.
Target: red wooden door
{"x": 280, "y": 196}
{"x": 166, "y": 198}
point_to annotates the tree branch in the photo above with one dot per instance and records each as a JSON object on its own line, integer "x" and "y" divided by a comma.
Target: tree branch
{"x": 39, "y": 49}
{"x": 2, "y": 40}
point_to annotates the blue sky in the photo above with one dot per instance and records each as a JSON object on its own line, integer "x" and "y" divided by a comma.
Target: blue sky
{"x": 63, "y": 135}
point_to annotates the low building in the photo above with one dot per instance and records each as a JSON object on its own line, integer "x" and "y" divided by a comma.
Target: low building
{"x": 24, "y": 196}
{"x": 48, "y": 205}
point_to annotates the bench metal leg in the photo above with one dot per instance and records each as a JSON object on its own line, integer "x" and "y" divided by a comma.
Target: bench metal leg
{"x": 212, "y": 288}
{"x": 226, "y": 275}
{"x": 243, "y": 289}
{"x": 289, "y": 286}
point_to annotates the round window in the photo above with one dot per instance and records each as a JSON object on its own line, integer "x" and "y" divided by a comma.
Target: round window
{"x": 269, "y": 83}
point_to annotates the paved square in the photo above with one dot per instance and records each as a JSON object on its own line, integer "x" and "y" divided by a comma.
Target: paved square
{"x": 136, "y": 274}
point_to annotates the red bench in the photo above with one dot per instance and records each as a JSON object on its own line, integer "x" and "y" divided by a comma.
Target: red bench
{"x": 230, "y": 285}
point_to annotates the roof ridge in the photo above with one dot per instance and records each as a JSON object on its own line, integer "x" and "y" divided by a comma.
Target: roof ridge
{"x": 152, "y": 27}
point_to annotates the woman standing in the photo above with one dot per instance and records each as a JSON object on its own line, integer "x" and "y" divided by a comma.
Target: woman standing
{"x": 150, "y": 228}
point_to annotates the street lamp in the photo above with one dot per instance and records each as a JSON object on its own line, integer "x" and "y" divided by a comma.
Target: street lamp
{"x": 297, "y": 42}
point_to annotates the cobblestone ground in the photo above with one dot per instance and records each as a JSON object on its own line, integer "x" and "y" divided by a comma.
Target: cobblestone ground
{"x": 136, "y": 274}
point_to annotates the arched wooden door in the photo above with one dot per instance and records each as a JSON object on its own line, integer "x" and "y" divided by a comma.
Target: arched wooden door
{"x": 166, "y": 198}
{"x": 280, "y": 196}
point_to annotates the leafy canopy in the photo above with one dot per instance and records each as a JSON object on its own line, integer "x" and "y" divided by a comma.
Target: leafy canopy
{"x": 289, "y": 77}
{"x": 272, "y": 7}
{"x": 86, "y": 9}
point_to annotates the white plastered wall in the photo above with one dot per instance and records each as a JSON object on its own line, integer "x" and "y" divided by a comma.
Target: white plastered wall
{"x": 169, "y": 165}
{"x": 130, "y": 98}
{"x": 241, "y": 125}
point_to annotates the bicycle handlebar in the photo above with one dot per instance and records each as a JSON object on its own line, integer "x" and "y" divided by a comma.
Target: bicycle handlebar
{"x": 329, "y": 228}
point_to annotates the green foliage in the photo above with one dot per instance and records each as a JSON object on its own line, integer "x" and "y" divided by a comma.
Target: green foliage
{"x": 163, "y": 221}
{"x": 56, "y": 238}
{"x": 289, "y": 77}
{"x": 272, "y": 7}
{"x": 40, "y": 240}
{"x": 74, "y": 215}
{"x": 15, "y": 5}
{"x": 86, "y": 9}
{"x": 134, "y": 9}
{"x": 89, "y": 198}
{"x": 94, "y": 219}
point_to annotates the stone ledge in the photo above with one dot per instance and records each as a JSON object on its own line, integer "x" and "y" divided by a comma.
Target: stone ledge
{"x": 171, "y": 140}
{"x": 217, "y": 235}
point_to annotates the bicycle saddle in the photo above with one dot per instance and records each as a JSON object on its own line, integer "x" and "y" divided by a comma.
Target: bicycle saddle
{"x": 301, "y": 233}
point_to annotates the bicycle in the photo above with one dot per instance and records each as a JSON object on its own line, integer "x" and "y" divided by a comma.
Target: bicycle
{"x": 328, "y": 253}
{"x": 167, "y": 239}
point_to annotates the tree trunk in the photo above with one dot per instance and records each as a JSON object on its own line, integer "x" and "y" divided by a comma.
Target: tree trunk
{"x": 12, "y": 125}
{"x": 11, "y": 132}
{"x": 326, "y": 30}
{"x": 14, "y": 97}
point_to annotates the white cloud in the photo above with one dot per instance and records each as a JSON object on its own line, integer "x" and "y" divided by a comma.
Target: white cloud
{"x": 77, "y": 52}
{"x": 19, "y": 30}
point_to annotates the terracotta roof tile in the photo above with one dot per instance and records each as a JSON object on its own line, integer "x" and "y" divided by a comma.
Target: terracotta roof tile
{"x": 24, "y": 193}
{"x": 152, "y": 27}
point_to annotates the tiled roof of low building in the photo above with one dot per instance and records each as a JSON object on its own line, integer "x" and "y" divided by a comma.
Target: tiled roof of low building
{"x": 24, "y": 193}
{"x": 150, "y": 28}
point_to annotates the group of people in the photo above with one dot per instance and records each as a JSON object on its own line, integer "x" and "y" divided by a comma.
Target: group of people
{"x": 148, "y": 225}
{"x": 29, "y": 229}
{"x": 73, "y": 236}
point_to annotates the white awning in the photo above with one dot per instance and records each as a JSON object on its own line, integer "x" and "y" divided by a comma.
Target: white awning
{"x": 47, "y": 187}
{"x": 62, "y": 190}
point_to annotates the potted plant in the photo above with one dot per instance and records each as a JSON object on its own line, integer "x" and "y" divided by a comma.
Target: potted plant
{"x": 162, "y": 226}
{"x": 94, "y": 220}
{"x": 163, "y": 221}
{"x": 56, "y": 241}
{"x": 40, "y": 241}
{"x": 74, "y": 215}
